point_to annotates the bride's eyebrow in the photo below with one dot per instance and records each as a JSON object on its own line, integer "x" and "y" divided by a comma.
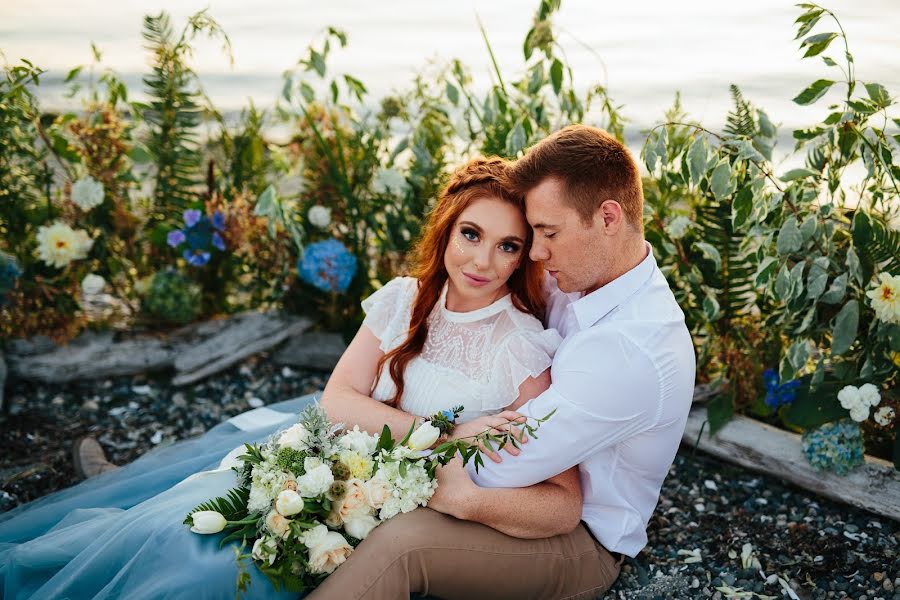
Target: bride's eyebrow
{"x": 476, "y": 227}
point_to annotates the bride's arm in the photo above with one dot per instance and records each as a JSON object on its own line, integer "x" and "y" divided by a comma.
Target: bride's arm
{"x": 346, "y": 397}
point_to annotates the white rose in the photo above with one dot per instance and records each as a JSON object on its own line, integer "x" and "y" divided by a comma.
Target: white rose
{"x": 59, "y": 244}
{"x": 360, "y": 527}
{"x": 87, "y": 193}
{"x": 859, "y": 413}
{"x": 377, "y": 493}
{"x": 319, "y": 216}
{"x": 288, "y": 503}
{"x": 849, "y": 396}
{"x": 265, "y": 549}
{"x": 884, "y": 416}
{"x": 313, "y": 537}
{"x": 294, "y": 437}
{"x": 869, "y": 394}
{"x": 277, "y": 524}
{"x": 329, "y": 553}
{"x": 315, "y": 482}
{"x": 423, "y": 437}
{"x": 208, "y": 521}
{"x": 92, "y": 284}
{"x": 311, "y": 462}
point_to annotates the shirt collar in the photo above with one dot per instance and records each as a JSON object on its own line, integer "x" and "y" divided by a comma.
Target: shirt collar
{"x": 591, "y": 308}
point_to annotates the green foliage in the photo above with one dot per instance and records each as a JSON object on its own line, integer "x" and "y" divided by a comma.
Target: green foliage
{"x": 232, "y": 506}
{"x": 291, "y": 460}
{"x": 173, "y": 298}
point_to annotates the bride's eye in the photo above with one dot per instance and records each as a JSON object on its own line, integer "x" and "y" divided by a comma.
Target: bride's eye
{"x": 509, "y": 247}
{"x": 470, "y": 234}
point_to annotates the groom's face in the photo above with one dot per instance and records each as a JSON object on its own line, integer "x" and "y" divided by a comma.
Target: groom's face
{"x": 573, "y": 252}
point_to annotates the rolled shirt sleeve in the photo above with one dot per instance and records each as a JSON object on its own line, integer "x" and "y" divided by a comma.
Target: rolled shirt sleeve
{"x": 605, "y": 389}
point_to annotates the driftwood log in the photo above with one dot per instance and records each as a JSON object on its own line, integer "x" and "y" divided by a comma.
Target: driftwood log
{"x": 249, "y": 334}
{"x": 874, "y": 486}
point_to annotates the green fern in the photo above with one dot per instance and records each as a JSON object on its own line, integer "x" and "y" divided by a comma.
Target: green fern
{"x": 232, "y": 506}
{"x": 741, "y": 121}
{"x": 877, "y": 243}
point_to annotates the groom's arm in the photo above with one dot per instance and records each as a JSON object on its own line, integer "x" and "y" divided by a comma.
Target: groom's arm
{"x": 545, "y": 509}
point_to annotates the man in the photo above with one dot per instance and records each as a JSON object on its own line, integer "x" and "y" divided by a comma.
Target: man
{"x": 622, "y": 388}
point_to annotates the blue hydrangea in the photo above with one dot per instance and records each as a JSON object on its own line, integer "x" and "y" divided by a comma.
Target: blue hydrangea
{"x": 837, "y": 446}
{"x": 9, "y": 273}
{"x": 777, "y": 393}
{"x": 200, "y": 234}
{"x": 327, "y": 266}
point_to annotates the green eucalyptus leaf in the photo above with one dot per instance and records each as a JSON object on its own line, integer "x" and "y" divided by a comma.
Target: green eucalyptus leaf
{"x": 817, "y": 44}
{"x": 799, "y": 174}
{"x": 453, "y": 94}
{"x": 797, "y": 279}
{"x": 815, "y": 91}
{"x": 798, "y": 353}
{"x": 845, "y": 328}
{"x": 697, "y": 159}
{"x": 764, "y": 270}
{"x": 836, "y": 290}
{"x": 817, "y": 278}
{"x": 789, "y": 237}
{"x": 878, "y": 94}
{"x": 720, "y": 181}
{"x": 783, "y": 283}
{"x": 742, "y": 207}
{"x": 854, "y": 266}
{"x": 808, "y": 227}
{"x": 556, "y": 75}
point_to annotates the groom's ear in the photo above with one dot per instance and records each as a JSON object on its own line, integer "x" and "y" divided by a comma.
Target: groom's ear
{"x": 611, "y": 215}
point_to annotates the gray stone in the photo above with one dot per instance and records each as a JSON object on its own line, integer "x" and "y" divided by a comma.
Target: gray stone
{"x": 316, "y": 350}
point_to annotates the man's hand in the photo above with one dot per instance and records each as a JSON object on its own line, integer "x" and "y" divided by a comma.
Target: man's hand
{"x": 499, "y": 424}
{"x": 455, "y": 491}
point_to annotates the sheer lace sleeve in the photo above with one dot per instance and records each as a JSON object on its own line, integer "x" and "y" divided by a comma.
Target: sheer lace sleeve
{"x": 525, "y": 353}
{"x": 388, "y": 311}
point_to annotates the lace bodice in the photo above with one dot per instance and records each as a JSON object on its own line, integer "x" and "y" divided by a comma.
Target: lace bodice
{"x": 475, "y": 359}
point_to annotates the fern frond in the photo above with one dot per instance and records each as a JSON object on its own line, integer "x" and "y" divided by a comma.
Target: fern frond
{"x": 878, "y": 244}
{"x": 741, "y": 121}
{"x": 232, "y": 506}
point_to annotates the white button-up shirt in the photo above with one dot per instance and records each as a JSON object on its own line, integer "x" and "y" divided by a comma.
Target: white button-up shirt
{"x": 623, "y": 381}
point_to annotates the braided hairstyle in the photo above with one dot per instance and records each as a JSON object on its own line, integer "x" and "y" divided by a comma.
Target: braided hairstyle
{"x": 479, "y": 178}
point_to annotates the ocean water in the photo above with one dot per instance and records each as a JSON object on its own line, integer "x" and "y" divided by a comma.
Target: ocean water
{"x": 643, "y": 51}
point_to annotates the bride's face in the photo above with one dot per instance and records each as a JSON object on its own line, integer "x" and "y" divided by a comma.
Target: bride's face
{"x": 485, "y": 247}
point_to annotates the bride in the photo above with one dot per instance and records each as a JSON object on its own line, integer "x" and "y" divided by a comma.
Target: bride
{"x": 463, "y": 330}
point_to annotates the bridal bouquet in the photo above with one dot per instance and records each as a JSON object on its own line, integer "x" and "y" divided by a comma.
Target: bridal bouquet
{"x": 310, "y": 494}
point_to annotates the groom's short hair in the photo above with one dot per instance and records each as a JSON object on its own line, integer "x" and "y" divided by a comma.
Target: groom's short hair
{"x": 592, "y": 166}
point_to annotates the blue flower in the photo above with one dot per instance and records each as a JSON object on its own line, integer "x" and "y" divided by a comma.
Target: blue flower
{"x": 218, "y": 221}
{"x": 327, "y": 266}
{"x": 196, "y": 259}
{"x": 217, "y": 240}
{"x": 191, "y": 216}
{"x": 448, "y": 414}
{"x": 778, "y": 394}
{"x": 175, "y": 238}
{"x": 838, "y": 446}
{"x": 9, "y": 273}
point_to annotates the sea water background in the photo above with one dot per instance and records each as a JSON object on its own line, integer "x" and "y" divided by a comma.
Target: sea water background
{"x": 643, "y": 51}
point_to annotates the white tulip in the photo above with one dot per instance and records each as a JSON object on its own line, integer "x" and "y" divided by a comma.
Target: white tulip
{"x": 319, "y": 216}
{"x": 265, "y": 549}
{"x": 208, "y": 521}
{"x": 423, "y": 437}
{"x": 288, "y": 503}
{"x": 360, "y": 527}
{"x": 92, "y": 284}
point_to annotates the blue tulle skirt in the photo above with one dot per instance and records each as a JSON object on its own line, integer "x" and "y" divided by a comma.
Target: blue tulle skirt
{"x": 120, "y": 534}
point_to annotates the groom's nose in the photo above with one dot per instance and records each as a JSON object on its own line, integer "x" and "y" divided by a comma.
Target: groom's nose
{"x": 538, "y": 252}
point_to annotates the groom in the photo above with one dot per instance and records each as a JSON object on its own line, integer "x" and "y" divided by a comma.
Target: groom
{"x": 622, "y": 387}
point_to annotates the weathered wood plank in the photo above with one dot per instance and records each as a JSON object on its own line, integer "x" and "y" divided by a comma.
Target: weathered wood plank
{"x": 255, "y": 332}
{"x": 874, "y": 486}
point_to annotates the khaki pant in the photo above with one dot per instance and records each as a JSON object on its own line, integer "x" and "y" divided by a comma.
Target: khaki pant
{"x": 430, "y": 553}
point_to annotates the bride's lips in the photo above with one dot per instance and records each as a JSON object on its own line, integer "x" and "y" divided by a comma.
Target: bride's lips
{"x": 475, "y": 279}
{"x": 552, "y": 273}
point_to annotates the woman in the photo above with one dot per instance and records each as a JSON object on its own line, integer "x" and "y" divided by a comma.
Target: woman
{"x": 465, "y": 332}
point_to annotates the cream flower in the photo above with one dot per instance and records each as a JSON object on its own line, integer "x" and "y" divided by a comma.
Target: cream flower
{"x": 265, "y": 549}
{"x": 329, "y": 553}
{"x": 884, "y": 416}
{"x": 361, "y": 526}
{"x": 315, "y": 482}
{"x": 886, "y": 298}
{"x": 424, "y": 437}
{"x": 358, "y": 441}
{"x": 377, "y": 493}
{"x": 869, "y": 394}
{"x": 849, "y": 397}
{"x": 277, "y": 524}
{"x": 207, "y": 521}
{"x": 319, "y": 216}
{"x": 288, "y": 503}
{"x": 87, "y": 193}
{"x": 59, "y": 244}
{"x": 360, "y": 466}
{"x": 294, "y": 437}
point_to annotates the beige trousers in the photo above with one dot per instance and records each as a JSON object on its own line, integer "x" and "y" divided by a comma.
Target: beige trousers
{"x": 430, "y": 553}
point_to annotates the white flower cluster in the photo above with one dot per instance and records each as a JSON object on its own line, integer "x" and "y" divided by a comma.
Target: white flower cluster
{"x": 886, "y": 298}
{"x": 858, "y": 400}
{"x": 320, "y": 216}
{"x": 267, "y": 480}
{"x": 884, "y": 416}
{"x": 87, "y": 193}
{"x": 408, "y": 491}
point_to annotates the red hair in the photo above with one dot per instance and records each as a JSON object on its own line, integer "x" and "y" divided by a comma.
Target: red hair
{"x": 479, "y": 178}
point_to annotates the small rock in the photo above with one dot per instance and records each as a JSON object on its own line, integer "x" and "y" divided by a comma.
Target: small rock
{"x": 887, "y": 585}
{"x": 90, "y": 405}
{"x": 157, "y": 438}
{"x": 58, "y": 401}
{"x": 255, "y": 402}
{"x": 179, "y": 400}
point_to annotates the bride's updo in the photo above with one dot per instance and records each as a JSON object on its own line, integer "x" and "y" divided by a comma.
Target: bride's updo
{"x": 479, "y": 178}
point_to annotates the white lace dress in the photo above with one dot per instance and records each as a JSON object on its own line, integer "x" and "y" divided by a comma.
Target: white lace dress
{"x": 475, "y": 359}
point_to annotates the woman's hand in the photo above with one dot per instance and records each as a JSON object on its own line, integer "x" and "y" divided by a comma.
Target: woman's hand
{"x": 499, "y": 424}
